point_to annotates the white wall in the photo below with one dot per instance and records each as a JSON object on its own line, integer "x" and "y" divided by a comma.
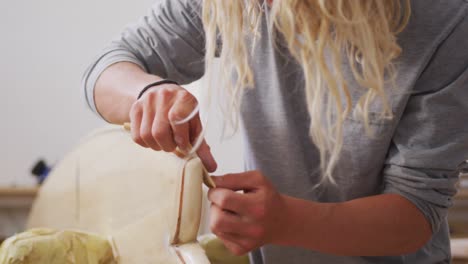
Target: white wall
{"x": 45, "y": 47}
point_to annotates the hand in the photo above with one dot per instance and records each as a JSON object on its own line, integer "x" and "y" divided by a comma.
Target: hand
{"x": 246, "y": 221}
{"x": 156, "y": 117}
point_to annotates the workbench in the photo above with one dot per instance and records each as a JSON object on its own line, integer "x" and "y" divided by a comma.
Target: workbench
{"x": 458, "y": 222}
{"x": 15, "y": 204}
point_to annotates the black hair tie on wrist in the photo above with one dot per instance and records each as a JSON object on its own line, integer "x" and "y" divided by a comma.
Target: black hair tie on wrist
{"x": 151, "y": 85}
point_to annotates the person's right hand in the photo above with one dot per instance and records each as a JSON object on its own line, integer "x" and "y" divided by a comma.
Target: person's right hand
{"x": 155, "y": 122}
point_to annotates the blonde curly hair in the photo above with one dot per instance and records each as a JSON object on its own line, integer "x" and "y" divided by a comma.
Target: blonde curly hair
{"x": 362, "y": 32}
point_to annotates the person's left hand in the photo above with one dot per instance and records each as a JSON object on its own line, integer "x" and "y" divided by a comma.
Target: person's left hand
{"x": 246, "y": 221}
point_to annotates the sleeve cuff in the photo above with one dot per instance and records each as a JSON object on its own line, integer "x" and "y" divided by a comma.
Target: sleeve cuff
{"x": 94, "y": 72}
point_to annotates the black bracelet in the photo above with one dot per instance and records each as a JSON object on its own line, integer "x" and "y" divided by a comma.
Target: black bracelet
{"x": 156, "y": 84}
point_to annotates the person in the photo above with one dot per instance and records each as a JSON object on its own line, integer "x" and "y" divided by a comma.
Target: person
{"x": 353, "y": 112}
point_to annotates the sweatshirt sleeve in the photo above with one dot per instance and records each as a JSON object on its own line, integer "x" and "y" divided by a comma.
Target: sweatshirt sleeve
{"x": 168, "y": 42}
{"x": 431, "y": 139}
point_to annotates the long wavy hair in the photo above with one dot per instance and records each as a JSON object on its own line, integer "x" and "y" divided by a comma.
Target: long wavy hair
{"x": 320, "y": 35}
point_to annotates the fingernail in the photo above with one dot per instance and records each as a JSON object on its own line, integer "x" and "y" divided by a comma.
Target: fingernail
{"x": 212, "y": 164}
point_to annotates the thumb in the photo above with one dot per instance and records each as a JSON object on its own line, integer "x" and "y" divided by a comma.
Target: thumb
{"x": 249, "y": 180}
{"x": 204, "y": 153}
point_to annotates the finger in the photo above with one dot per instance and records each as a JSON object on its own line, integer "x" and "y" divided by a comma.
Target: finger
{"x": 145, "y": 127}
{"x": 223, "y": 221}
{"x": 181, "y": 109}
{"x": 239, "y": 181}
{"x": 229, "y": 200}
{"x": 186, "y": 107}
{"x": 204, "y": 151}
{"x": 233, "y": 247}
{"x": 135, "y": 117}
{"x": 161, "y": 129}
{"x": 181, "y": 135}
{"x": 238, "y": 245}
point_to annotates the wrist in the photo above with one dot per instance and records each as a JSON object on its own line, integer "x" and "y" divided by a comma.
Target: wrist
{"x": 288, "y": 221}
{"x": 141, "y": 82}
{"x": 117, "y": 88}
{"x": 304, "y": 222}
{"x": 155, "y": 85}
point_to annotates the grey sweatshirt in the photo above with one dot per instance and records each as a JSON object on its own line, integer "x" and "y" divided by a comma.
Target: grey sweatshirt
{"x": 413, "y": 155}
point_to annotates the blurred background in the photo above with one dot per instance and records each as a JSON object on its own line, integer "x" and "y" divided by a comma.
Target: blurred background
{"x": 46, "y": 46}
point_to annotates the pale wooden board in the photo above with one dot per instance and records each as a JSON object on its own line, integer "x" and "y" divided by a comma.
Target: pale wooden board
{"x": 18, "y": 192}
{"x": 125, "y": 191}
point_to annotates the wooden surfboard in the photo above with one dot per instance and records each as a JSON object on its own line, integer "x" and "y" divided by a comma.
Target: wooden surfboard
{"x": 149, "y": 202}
